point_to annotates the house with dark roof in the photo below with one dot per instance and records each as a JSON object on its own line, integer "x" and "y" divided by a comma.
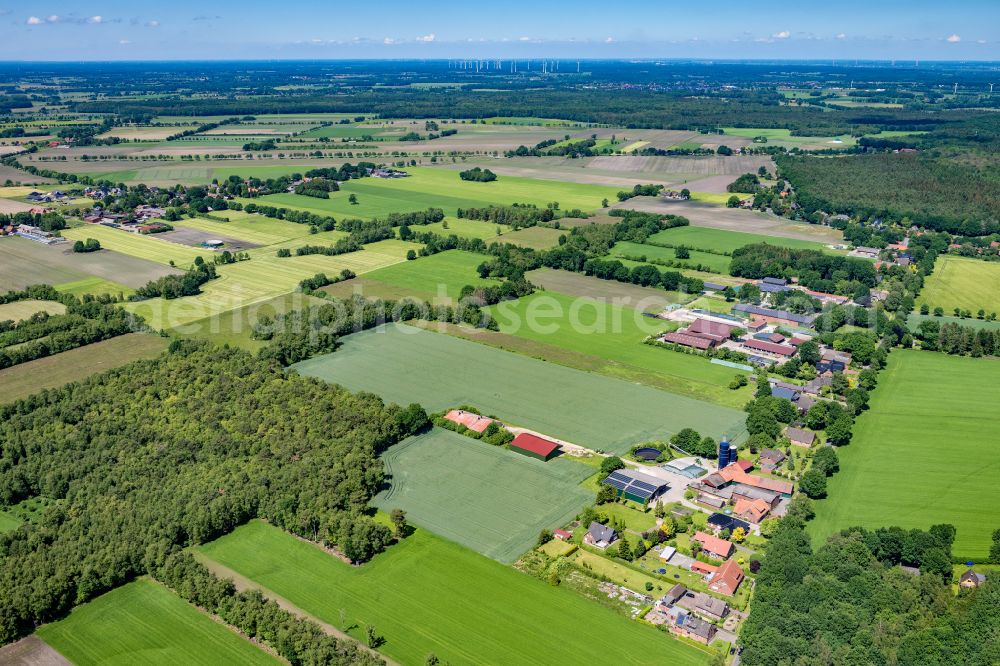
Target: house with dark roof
{"x": 770, "y": 459}
{"x": 800, "y": 436}
{"x": 694, "y": 628}
{"x": 786, "y": 393}
{"x": 600, "y": 536}
{"x": 635, "y": 486}
{"x": 971, "y": 579}
{"x": 697, "y": 602}
{"x": 719, "y": 522}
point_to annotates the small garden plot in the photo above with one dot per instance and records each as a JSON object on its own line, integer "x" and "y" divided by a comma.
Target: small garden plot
{"x": 255, "y": 229}
{"x": 487, "y": 498}
{"x": 144, "y": 622}
{"x": 647, "y": 299}
{"x": 465, "y": 228}
{"x": 403, "y": 363}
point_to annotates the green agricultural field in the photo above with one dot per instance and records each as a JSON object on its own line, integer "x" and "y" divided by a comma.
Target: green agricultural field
{"x": 960, "y": 282}
{"x": 262, "y": 278}
{"x": 144, "y": 622}
{"x": 372, "y": 289}
{"x": 8, "y": 522}
{"x": 537, "y": 238}
{"x": 506, "y": 498}
{"x": 908, "y": 463}
{"x": 441, "y": 188}
{"x": 783, "y": 137}
{"x": 255, "y": 229}
{"x": 22, "y": 380}
{"x": 647, "y": 299}
{"x": 19, "y": 310}
{"x": 234, "y": 327}
{"x": 913, "y": 321}
{"x": 715, "y": 262}
{"x": 147, "y": 247}
{"x": 95, "y": 286}
{"x": 404, "y": 363}
{"x": 720, "y": 240}
{"x": 472, "y": 610}
{"x": 601, "y": 328}
{"x": 465, "y": 228}
{"x": 440, "y": 276}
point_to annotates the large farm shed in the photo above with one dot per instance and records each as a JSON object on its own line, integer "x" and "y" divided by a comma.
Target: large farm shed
{"x": 635, "y": 486}
{"x": 534, "y": 446}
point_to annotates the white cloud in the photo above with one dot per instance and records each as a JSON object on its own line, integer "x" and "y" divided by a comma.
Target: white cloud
{"x": 524, "y": 39}
{"x": 784, "y": 34}
{"x": 95, "y": 19}
{"x": 841, "y": 36}
{"x": 53, "y": 19}
{"x": 426, "y": 38}
{"x": 609, "y": 40}
{"x": 980, "y": 41}
{"x": 153, "y": 24}
{"x": 34, "y": 20}
{"x": 388, "y": 40}
{"x": 953, "y": 39}
{"x": 123, "y": 42}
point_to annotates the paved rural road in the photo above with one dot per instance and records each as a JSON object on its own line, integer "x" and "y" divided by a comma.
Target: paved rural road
{"x": 243, "y": 583}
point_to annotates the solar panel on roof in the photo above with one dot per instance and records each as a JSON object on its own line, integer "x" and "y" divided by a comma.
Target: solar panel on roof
{"x": 621, "y": 477}
{"x": 643, "y": 485}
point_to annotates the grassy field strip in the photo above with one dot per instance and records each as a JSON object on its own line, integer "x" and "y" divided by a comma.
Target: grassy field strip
{"x": 506, "y": 498}
{"x": 603, "y": 329}
{"x": 961, "y": 282}
{"x": 22, "y": 380}
{"x": 19, "y": 310}
{"x": 537, "y": 238}
{"x": 909, "y": 461}
{"x": 440, "y": 276}
{"x": 262, "y": 278}
{"x": 94, "y": 285}
{"x": 8, "y": 522}
{"x": 721, "y": 240}
{"x": 472, "y": 610}
{"x": 715, "y": 262}
{"x": 913, "y": 321}
{"x": 258, "y": 230}
{"x": 646, "y": 299}
{"x": 144, "y": 622}
{"x": 234, "y": 327}
{"x": 137, "y": 245}
{"x": 403, "y": 363}
{"x": 466, "y": 228}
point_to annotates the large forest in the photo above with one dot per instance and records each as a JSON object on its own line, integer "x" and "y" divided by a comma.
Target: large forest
{"x": 144, "y": 460}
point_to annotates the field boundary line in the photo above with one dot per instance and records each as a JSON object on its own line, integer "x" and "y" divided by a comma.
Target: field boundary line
{"x": 243, "y": 583}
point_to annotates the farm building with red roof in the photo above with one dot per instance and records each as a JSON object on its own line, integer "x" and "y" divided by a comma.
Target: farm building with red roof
{"x": 470, "y": 420}
{"x": 534, "y": 446}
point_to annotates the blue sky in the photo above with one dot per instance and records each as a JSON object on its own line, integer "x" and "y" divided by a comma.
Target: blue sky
{"x": 231, "y": 29}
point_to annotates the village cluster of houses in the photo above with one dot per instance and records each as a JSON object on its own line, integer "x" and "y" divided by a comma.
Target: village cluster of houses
{"x": 31, "y": 232}
{"x": 144, "y": 219}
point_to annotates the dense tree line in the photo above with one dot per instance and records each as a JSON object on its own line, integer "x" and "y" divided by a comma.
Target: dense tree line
{"x": 177, "y": 451}
{"x": 318, "y": 188}
{"x": 932, "y": 193}
{"x": 518, "y": 216}
{"x": 86, "y": 321}
{"x": 176, "y": 286}
{"x": 300, "y": 334}
{"x": 848, "y": 602}
{"x": 293, "y": 638}
{"x": 814, "y": 269}
{"x": 954, "y": 338}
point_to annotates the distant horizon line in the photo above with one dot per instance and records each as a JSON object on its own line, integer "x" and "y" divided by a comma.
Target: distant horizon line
{"x": 833, "y": 62}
